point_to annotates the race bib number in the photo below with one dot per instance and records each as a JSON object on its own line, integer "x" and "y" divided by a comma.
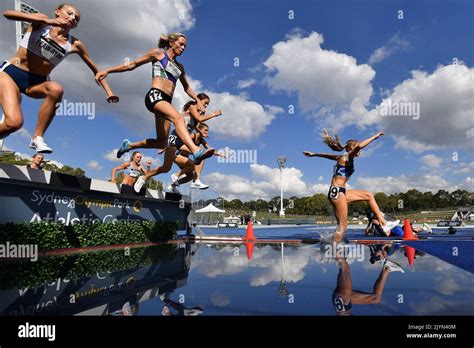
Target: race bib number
{"x": 333, "y": 192}
{"x": 338, "y": 304}
{"x": 172, "y": 140}
{"x": 155, "y": 96}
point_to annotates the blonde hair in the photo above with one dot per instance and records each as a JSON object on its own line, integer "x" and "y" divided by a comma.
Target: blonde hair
{"x": 334, "y": 142}
{"x": 165, "y": 40}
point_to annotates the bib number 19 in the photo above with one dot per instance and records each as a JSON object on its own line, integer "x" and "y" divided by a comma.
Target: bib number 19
{"x": 333, "y": 192}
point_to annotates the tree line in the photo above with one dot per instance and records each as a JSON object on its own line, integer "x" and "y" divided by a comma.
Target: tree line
{"x": 318, "y": 204}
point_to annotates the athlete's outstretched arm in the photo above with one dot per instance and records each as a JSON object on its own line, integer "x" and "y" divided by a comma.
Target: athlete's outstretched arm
{"x": 365, "y": 142}
{"x": 36, "y": 18}
{"x": 120, "y": 167}
{"x": 189, "y": 91}
{"x": 197, "y": 116}
{"x": 322, "y": 155}
{"x": 150, "y": 56}
{"x": 84, "y": 54}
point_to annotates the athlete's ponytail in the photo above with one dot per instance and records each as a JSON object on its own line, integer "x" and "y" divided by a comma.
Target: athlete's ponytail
{"x": 165, "y": 40}
{"x": 334, "y": 143}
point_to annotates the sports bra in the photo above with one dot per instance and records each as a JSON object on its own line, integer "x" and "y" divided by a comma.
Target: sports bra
{"x": 134, "y": 173}
{"x": 345, "y": 171}
{"x": 166, "y": 68}
{"x": 40, "y": 43}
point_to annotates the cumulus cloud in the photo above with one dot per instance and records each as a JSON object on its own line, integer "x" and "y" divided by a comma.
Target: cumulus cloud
{"x": 265, "y": 183}
{"x": 394, "y": 44}
{"x": 431, "y": 161}
{"x": 327, "y": 83}
{"x": 464, "y": 168}
{"x": 241, "y": 119}
{"x": 446, "y": 106}
{"x": 404, "y": 183}
{"x": 242, "y": 84}
{"x": 112, "y": 156}
{"x": 94, "y": 165}
{"x": 266, "y": 264}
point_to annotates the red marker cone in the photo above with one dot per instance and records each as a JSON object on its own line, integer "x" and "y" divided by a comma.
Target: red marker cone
{"x": 249, "y": 234}
{"x": 410, "y": 254}
{"x": 249, "y": 249}
{"x": 408, "y": 232}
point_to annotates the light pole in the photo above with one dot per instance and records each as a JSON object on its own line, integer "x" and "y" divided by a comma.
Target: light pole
{"x": 281, "y": 164}
{"x": 282, "y": 289}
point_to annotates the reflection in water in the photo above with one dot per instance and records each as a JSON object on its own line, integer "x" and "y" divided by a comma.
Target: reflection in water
{"x": 218, "y": 279}
{"x": 97, "y": 283}
{"x": 343, "y": 296}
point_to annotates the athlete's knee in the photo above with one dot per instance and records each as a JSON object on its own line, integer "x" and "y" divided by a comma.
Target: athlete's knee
{"x": 12, "y": 125}
{"x": 369, "y": 196}
{"x": 55, "y": 90}
{"x": 166, "y": 167}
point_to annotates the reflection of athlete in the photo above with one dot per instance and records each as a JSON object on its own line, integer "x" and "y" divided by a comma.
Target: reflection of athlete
{"x": 179, "y": 308}
{"x": 343, "y": 296}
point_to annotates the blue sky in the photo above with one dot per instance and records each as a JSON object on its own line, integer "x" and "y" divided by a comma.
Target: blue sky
{"x": 336, "y": 62}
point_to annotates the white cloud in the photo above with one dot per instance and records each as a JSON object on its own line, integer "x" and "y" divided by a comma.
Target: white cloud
{"x": 326, "y": 82}
{"x": 431, "y": 161}
{"x": 220, "y": 299}
{"x": 446, "y": 103}
{"x": 265, "y": 184}
{"x": 404, "y": 183}
{"x": 94, "y": 165}
{"x": 241, "y": 119}
{"x": 242, "y": 84}
{"x": 265, "y": 268}
{"x": 412, "y": 145}
{"x": 393, "y": 45}
{"x": 464, "y": 168}
{"x": 112, "y": 156}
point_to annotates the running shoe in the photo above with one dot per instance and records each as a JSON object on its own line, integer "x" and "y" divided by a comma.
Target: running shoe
{"x": 175, "y": 179}
{"x": 124, "y": 148}
{"x": 393, "y": 266}
{"x": 139, "y": 184}
{"x": 199, "y": 185}
{"x": 40, "y": 145}
{"x": 173, "y": 189}
{"x": 389, "y": 225}
{"x": 202, "y": 154}
{"x": 193, "y": 311}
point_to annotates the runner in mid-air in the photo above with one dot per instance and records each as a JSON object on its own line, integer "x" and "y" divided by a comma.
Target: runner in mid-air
{"x": 45, "y": 44}
{"x": 166, "y": 72}
{"x": 338, "y": 195}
